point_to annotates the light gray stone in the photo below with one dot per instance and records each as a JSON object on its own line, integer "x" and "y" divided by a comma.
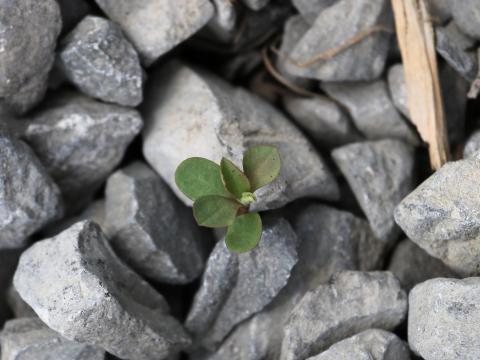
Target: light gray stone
{"x": 442, "y": 216}
{"x": 466, "y": 14}
{"x": 256, "y": 4}
{"x": 236, "y": 286}
{"x": 412, "y": 265}
{"x": 80, "y": 141}
{"x": 19, "y": 307}
{"x": 191, "y": 113}
{"x": 374, "y": 344}
{"x": 310, "y": 9}
{"x": 102, "y": 63}
{"x": 334, "y": 26}
{"x": 380, "y": 174}
{"x": 31, "y": 339}
{"x": 150, "y": 229}
{"x": 444, "y": 319}
{"x": 79, "y": 288}
{"x": 29, "y": 199}
{"x": 472, "y": 145}
{"x": 371, "y": 109}
{"x": 156, "y": 26}
{"x": 27, "y": 43}
{"x": 352, "y": 302}
{"x": 398, "y": 89}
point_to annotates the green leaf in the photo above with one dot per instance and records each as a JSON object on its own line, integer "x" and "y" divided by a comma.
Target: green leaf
{"x": 197, "y": 177}
{"x": 245, "y": 233}
{"x": 215, "y": 211}
{"x": 234, "y": 179}
{"x": 261, "y": 164}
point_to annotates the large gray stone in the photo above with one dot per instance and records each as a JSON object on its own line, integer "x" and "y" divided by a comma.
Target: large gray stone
{"x": 29, "y": 199}
{"x": 335, "y": 26}
{"x": 236, "y": 286}
{"x": 466, "y": 14}
{"x": 150, "y": 229}
{"x": 192, "y": 113}
{"x": 156, "y": 26}
{"x": 102, "y": 63}
{"x": 310, "y": 9}
{"x": 380, "y": 174}
{"x": 79, "y": 288}
{"x": 371, "y": 344}
{"x": 80, "y": 141}
{"x": 472, "y": 145}
{"x": 444, "y": 319}
{"x": 352, "y": 302}
{"x": 27, "y": 42}
{"x": 31, "y": 339}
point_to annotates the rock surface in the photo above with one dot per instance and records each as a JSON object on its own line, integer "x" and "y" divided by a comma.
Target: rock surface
{"x": 150, "y": 229}
{"x": 101, "y": 62}
{"x": 192, "y": 113}
{"x": 466, "y": 14}
{"x": 79, "y": 288}
{"x": 310, "y": 9}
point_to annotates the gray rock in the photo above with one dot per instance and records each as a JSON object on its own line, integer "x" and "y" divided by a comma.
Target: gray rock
{"x": 191, "y": 113}
{"x": 466, "y": 14}
{"x": 412, "y": 265}
{"x": 371, "y": 344}
{"x": 439, "y": 10}
{"x": 442, "y": 216}
{"x": 102, "y": 63}
{"x": 150, "y": 229}
{"x": 19, "y": 307}
{"x": 156, "y": 26}
{"x": 80, "y": 141}
{"x": 29, "y": 199}
{"x": 352, "y": 302}
{"x": 28, "y": 38}
{"x": 73, "y": 12}
{"x": 256, "y": 4}
{"x": 335, "y": 26}
{"x": 79, "y": 288}
{"x": 380, "y": 174}
{"x": 222, "y": 25}
{"x": 236, "y": 286}
{"x": 444, "y": 319}
{"x": 371, "y": 109}
{"x": 31, "y": 339}
{"x": 310, "y": 9}
{"x": 472, "y": 145}
{"x": 398, "y": 89}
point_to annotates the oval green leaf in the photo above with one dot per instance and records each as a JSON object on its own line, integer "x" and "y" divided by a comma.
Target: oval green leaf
{"x": 261, "y": 164}
{"x": 245, "y": 233}
{"x": 234, "y": 179}
{"x": 215, "y": 211}
{"x": 197, "y": 177}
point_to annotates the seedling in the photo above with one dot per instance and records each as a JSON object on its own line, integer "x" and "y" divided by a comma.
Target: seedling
{"x": 222, "y": 194}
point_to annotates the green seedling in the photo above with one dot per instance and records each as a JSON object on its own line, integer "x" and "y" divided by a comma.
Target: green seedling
{"x": 222, "y": 194}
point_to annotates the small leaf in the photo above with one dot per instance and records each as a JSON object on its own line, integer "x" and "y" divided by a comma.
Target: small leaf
{"x": 247, "y": 198}
{"x": 197, "y": 177}
{"x": 234, "y": 179}
{"x": 245, "y": 233}
{"x": 215, "y": 211}
{"x": 261, "y": 164}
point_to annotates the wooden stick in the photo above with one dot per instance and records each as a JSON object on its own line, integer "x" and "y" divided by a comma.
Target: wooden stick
{"x": 417, "y": 45}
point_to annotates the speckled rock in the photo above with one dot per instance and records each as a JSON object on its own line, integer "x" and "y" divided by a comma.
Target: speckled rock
{"x": 192, "y": 113}
{"x": 310, "y": 9}
{"x": 19, "y": 307}
{"x": 102, "y": 63}
{"x": 466, "y": 14}
{"x": 156, "y": 26}
{"x": 79, "y": 288}
{"x": 149, "y": 227}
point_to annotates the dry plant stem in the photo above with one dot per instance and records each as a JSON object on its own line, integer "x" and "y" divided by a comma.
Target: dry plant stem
{"x": 416, "y": 39}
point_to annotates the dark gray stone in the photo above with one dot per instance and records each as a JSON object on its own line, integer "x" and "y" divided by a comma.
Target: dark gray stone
{"x": 466, "y": 14}
{"x": 102, "y": 63}
{"x": 310, "y": 9}
{"x": 439, "y": 10}
{"x": 472, "y": 145}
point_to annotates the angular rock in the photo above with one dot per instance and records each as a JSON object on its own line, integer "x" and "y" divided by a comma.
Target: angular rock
{"x": 101, "y": 62}
{"x": 352, "y": 302}
{"x": 398, "y": 89}
{"x": 442, "y": 217}
{"x": 28, "y": 38}
{"x": 73, "y": 12}
{"x": 19, "y": 307}
{"x": 191, "y": 113}
{"x": 412, "y": 265}
{"x": 444, "y": 319}
{"x": 256, "y": 4}
{"x": 80, "y": 141}
{"x": 322, "y": 119}
{"x": 336, "y": 25}
{"x": 149, "y": 227}
{"x": 472, "y": 145}
{"x": 29, "y": 199}
{"x": 310, "y": 9}
{"x": 234, "y": 287}
{"x": 466, "y": 14}
{"x": 31, "y": 339}
{"x": 380, "y": 174}
{"x": 79, "y": 288}
{"x": 372, "y": 344}
{"x": 156, "y": 26}
{"x": 371, "y": 109}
